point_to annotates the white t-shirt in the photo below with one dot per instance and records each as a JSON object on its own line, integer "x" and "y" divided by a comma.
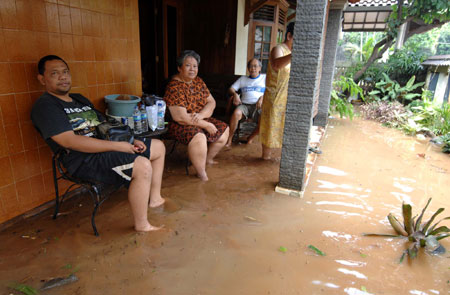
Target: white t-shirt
{"x": 251, "y": 88}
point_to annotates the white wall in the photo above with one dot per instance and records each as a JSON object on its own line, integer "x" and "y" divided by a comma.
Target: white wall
{"x": 240, "y": 65}
{"x": 440, "y": 88}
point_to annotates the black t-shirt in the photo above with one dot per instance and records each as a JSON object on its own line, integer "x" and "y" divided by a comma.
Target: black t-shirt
{"x": 52, "y": 116}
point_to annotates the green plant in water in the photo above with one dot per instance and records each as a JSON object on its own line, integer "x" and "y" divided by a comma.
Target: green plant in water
{"x": 420, "y": 234}
{"x": 343, "y": 88}
{"x": 388, "y": 89}
{"x": 425, "y": 115}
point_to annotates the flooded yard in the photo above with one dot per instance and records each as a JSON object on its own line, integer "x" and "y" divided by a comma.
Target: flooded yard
{"x": 235, "y": 235}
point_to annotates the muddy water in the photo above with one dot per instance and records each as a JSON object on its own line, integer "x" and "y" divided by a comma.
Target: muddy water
{"x": 224, "y": 236}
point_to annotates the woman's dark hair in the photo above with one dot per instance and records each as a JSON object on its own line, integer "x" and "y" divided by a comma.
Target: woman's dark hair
{"x": 42, "y": 61}
{"x": 185, "y": 54}
{"x": 248, "y": 63}
{"x": 289, "y": 29}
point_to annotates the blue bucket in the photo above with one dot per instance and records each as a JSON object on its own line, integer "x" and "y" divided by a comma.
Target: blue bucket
{"x": 121, "y": 108}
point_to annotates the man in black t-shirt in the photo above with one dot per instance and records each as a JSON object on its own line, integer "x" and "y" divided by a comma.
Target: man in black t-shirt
{"x": 68, "y": 121}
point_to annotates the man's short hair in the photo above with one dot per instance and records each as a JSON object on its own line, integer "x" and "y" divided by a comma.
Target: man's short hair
{"x": 185, "y": 54}
{"x": 252, "y": 59}
{"x": 42, "y": 61}
{"x": 289, "y": 29}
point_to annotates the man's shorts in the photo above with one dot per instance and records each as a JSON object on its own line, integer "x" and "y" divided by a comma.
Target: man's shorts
{"x": 250, "y": 111}
{"x": 110, "y": 167}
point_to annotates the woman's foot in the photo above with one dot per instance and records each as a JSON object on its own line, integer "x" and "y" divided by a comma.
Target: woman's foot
{"x": 156, "y": 202}
{"x": 146, "y": 227}
{"x": 203, "y": 176}
{"x": 211, "y": 162}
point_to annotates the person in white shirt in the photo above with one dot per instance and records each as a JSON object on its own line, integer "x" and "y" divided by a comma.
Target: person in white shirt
{"x": 249, "y": 103}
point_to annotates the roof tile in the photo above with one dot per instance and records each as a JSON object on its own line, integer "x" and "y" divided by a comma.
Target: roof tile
{"x": 373, "y": 3}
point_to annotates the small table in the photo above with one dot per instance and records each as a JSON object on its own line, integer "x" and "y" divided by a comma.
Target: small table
{"x": 153, "y": 134}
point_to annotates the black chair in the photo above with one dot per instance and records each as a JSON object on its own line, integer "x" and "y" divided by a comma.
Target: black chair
{"x": 99, "y": 192}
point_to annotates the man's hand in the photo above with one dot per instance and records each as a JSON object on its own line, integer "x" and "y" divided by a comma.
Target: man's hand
{"x": 236, "y": 99}
{"x": 259, "y": 102}
{"x": 139, "y": 146}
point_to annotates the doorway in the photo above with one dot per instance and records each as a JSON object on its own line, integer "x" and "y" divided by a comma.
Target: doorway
{"x": 160, "y": 42}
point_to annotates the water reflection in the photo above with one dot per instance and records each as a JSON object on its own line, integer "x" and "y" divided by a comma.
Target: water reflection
{"x": 332, "y": 171}
{"x": 402, "y": 197}
{"x": 330, "y": 185}
{"x": 335, "y": 235}
{"x": 329, "y": 285}
{"x": 342, "y": 213}
{"x": 353, "y": 273}
{"x": 418, "y": 292}
{"x": 354, "y": 291}
{"x": 351, "y": 263}
{"x": 340, "y": 204}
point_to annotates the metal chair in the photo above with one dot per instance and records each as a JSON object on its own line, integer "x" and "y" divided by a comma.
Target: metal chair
{"x": 98, "y": 191}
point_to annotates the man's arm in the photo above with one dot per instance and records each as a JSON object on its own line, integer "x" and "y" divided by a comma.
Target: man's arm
{"x": 236, "y": 98}
{"x": 86, "y": 144}
{"x": 277, "y": 60}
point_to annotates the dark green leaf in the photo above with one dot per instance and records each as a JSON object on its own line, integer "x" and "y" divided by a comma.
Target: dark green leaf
{"x": 427, "y": 225}
{"x": 419, "y": 220}
{"x": 406, "y": 208}
{"x": 316, "y": 250}
{"x": 27, "y": 290}
{"x": 441, "y": 229}
{"x": 434, "y": 225}
{"x": 440, "y": 237}
{"x": 381, "y": 235}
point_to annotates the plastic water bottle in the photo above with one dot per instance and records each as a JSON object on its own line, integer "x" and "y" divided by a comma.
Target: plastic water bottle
{"x": 144, "y": 121}
{"x": 160, "y": 105}
{"x": 137, "y": 121}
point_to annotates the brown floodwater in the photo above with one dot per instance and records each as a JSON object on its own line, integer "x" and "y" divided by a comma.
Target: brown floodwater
{"x": 224, "y": 236}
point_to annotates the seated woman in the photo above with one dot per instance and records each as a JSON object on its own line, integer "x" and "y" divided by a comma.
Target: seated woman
{"x": 191, "y": 106}
{"x": 249, "y": 103}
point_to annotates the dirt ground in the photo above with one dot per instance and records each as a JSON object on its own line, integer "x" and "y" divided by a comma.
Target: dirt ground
{"x": 235, "y": 235}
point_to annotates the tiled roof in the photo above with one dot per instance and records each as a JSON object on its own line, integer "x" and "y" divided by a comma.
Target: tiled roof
{"x": 373, "y": 3}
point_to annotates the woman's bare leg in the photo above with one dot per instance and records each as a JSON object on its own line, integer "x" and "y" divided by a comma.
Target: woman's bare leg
{"x": 197, "y": 149}
{"x": 266, "y": 152}
{"x": 215, "y": 147}
{"x": 157, "y": 155}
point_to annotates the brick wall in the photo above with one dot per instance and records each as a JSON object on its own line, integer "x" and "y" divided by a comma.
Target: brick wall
{"x": 100, "y": 41}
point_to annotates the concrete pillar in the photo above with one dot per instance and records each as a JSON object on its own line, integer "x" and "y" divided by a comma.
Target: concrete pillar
{"x": 303, "y": 84}
{"x": 328, "y": 66}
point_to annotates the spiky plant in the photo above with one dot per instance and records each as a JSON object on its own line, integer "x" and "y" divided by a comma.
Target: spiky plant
{"x": 420, "y": 234}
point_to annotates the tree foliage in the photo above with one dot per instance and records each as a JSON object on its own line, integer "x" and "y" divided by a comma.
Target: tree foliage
{"x": 428, "y": 13}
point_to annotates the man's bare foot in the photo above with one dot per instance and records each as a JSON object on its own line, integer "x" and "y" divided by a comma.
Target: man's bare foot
{"x": 146, "y": 227}
{"x": 156, "y": 202}
{"x": 228, "y": 145}
{"x": 211, "y": 162}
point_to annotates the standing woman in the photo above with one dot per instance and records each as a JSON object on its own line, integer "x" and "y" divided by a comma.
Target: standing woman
{"x": 275, "y": 97}
{"x": 191, "y": 106}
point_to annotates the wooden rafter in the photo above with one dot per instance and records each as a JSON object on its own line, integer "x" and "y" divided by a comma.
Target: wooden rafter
{"x": 249, "y": 8}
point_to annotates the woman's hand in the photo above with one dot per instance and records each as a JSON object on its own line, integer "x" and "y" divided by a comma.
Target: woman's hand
{"x": 196, "y": 117}
{"x": 139, "y": 146}
{"x": 210, "y": 128}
